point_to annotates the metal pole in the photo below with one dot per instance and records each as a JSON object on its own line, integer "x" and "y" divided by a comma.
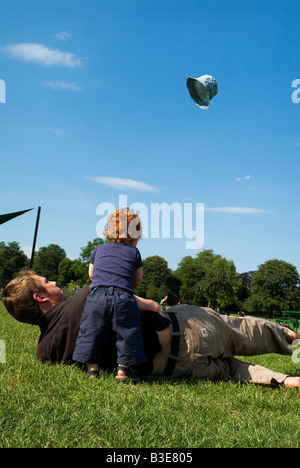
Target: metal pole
{"x": 35, "y": 236}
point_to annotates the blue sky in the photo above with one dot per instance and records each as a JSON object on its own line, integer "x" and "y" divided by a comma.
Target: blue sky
{"x": 96, "y": 90}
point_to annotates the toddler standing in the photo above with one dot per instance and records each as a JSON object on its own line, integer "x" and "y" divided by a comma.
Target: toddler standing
{"x": 116, "y": 269}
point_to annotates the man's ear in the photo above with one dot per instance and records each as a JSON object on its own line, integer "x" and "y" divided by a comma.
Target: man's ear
{"x": 40, "y": 298}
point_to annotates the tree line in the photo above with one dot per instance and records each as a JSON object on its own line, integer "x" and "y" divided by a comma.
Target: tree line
{"x": 208, "y": 279}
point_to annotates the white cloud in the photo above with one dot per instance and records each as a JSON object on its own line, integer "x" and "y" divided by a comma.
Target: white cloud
{"x": 119, "y": 183}
{"x": 42, "y": 55}
{"x": 55, "y": 131}
{"x": 63, "y": 85}
{"x": 62, "y": 36}
{"x": 237, "y": 210}
{"x": 242, "y": 178}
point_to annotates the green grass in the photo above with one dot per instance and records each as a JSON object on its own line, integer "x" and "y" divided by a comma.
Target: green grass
{"x": 45, "y": 405}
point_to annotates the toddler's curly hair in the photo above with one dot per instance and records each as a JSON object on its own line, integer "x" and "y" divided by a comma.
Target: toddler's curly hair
{"x": 123, "y": 225}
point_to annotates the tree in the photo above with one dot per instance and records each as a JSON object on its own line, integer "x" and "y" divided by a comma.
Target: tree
{"x": 208, "y": 280}
{"x": 275, "y": 287}
{"x": 47, "y": 261}
{"x": 158, "y": 281}
{"x": 72, "y": 272}
{"x": 12, "y": 260}
{"x": 244, "y": 285}
{"x": 219, "y": 284}
{"x": 190, "y": 273}
{"x": 85, "y": 252}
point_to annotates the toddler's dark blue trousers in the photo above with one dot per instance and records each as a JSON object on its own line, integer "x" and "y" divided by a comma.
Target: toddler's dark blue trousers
{"x": 110, "y": 309}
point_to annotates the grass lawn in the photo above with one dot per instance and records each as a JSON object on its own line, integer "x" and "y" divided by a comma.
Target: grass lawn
{"x": 45, "y": 405}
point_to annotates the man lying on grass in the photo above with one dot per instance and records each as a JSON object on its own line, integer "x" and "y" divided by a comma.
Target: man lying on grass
{"x": 186, "y": 341}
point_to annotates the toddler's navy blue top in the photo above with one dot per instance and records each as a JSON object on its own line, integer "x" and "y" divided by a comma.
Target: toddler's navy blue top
{"x": 115, "y": 264}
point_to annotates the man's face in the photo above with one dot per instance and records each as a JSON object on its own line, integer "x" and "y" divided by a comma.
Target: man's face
{"x": 53, "y": 292}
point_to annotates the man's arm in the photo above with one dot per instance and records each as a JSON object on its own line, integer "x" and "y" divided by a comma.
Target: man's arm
{"x": 91, "y": 269}
{"x": 147, "y": 304}
{"x": 138, "y": 277}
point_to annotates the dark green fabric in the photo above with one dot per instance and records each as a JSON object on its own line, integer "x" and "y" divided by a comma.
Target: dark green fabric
{"x": 7, "y": 217}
